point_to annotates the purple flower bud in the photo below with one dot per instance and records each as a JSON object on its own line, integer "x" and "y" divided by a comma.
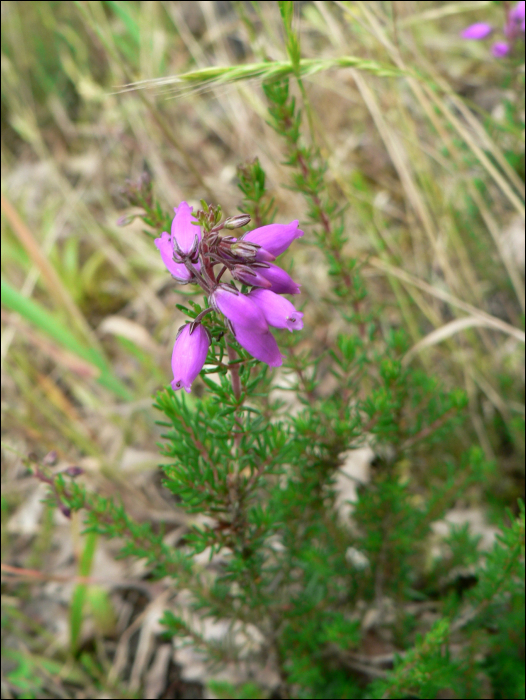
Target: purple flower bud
{"x": 500, "y": 49}
{"x": 262, "y": 346}
{"x": 246, "y": 249}
{"x": 282, "y": 282}
{"x": 177, "y": 270}
{"x": 278, "y": 311}
{"x": 51, "y": 458}
{"x": 241, "y": 249}
{"x": 237, "y": 221}
{"x": 249, "y": 275}
{"x": 517, "y": 13}
{"x": 514, "y": 23}
{"x": 185, "y": 236}
{"x": 263, "y": 255}
{"x": 125, "y": 219}
{"x": 239, "y": 309}
{"x": 64, "y": 510}
{"x": 477, "y": 31}
{"x": 189, "y": 355}
{"x": 73, "y": 471}
{"x": 274, "y": 238}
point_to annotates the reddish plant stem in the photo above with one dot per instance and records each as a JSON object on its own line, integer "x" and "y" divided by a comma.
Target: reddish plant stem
{"x": 221, "y": 273}
{"x": 428, "y": 430}
{"x": 205, "y": 259}
{"x": 204, "y": 283}
{"x": 325, "y": 221}
{"x": 255, "y": 475}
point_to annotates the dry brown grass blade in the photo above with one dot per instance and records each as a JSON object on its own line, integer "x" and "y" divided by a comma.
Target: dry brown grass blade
{"x": 502, "y": 183}
{"x": 459, "y": 324}
{"x": 427, "y": 98}
{"x": 488, "y": 319}
{"x": 63, "y": 358}
{"x": 55, "y": 286}
{"x": 16, "y": 572}
{"x": 399, "y": 140}
{"x": 403, "y": 166}
{"x": 452, "y": 8}
{"x": 400, "y": 161}
{"x": 122, "y": 651}
{"x": 489, "y": 220}
{"x": 482, "y": 134}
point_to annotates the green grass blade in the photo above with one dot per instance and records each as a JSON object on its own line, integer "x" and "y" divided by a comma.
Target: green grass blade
{"x": 33, "y": 312}
{"x": 79, "y": 594}
{"x": 123, "y": 10}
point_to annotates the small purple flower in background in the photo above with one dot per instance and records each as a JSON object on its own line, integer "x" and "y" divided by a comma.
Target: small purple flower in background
{"x": 500, "y": 49}
{"x": 191, "y": 255}
{"x": 189, "y": 355}
{"x": 516, "y": 18}
{"x": 513, "y": 28}
{"x": 477, "y": 31}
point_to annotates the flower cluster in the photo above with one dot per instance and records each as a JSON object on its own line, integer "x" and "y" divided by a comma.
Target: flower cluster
{"x": 192, "y": 253}
{"x": 513, "y": 29}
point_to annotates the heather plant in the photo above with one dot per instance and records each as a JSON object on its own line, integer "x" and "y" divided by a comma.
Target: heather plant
{"x": 261, "y": 419}
{"x": 262, "y": 477}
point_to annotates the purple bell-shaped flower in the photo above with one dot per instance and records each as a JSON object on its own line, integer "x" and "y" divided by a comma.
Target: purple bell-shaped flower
{"x": 262, "y": 346}
{"x": 239, "y": 309}
{"x": 274, "y": 238}
{"x": 277, "y": 310}
{"x": 185, "y": 235}
{"x": 189, "y": 355}
{"x": 281, "y": 282}
{"x": 181, "y": 243}
{"x": 177, "y": 270}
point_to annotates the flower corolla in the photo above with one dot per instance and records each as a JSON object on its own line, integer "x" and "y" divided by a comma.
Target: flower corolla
{"x": 185, "y": 234}
{"x": 277, "y": 310}
{"x": 189, "y": 355}
{"x": 274, "y": 238}
{"x": 239, "y": 309}
{"x": 262, "y": 346}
